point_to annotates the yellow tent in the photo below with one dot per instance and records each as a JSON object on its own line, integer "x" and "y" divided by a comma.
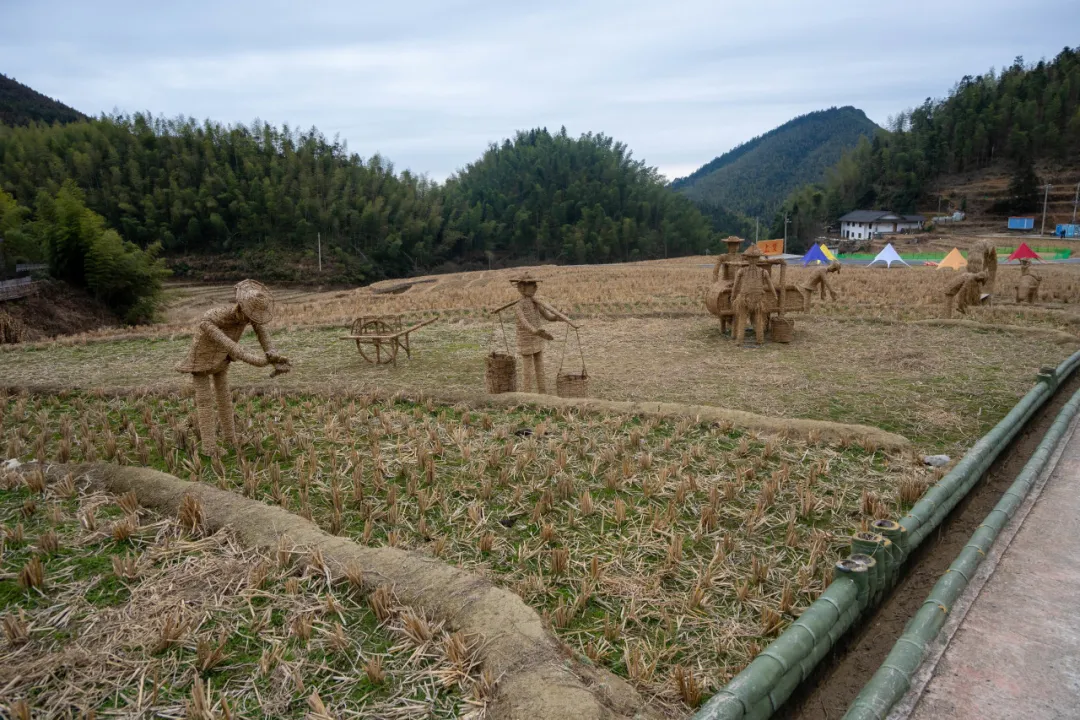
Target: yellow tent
{"x": 828, "y": 253}
{"x": 954, "y": 261}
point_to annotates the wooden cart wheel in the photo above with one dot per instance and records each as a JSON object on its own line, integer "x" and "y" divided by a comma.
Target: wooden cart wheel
{"x": 381, "y": 353}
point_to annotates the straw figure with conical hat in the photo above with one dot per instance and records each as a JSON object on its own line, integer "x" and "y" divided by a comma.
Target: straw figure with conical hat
{"x": 530, "y": 313}
{"x": 723, "y": 275}
{"x": 962, "y": 288}
{"x": 819, "y": 279}
{"x": 1027, "y": 289}
{"x": 981, "y": 257}
{"x": 748, "y": 296}
{"x": 215, "y": 345}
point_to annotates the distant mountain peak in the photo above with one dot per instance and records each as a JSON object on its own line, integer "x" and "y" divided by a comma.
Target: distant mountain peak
{"x": 754, "y": 178}
{"x": 22, "y": 105}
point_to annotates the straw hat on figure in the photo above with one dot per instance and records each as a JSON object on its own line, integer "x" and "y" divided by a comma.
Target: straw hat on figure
{"x": 530, "y": 312}
{"x": 748, "y": 293}
{"x": 819, "y": 279}
{"x": 215, "y": 346}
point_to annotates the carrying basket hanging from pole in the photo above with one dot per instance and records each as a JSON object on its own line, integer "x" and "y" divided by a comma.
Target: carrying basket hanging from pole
{"x": 500, "y": 368}
{"x": 567, "y": 384}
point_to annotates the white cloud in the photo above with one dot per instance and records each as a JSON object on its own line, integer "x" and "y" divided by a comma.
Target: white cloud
{"x": 430, "y": 83}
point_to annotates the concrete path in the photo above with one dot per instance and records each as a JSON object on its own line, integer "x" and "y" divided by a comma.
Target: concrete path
{"x": 1016, "y": 653}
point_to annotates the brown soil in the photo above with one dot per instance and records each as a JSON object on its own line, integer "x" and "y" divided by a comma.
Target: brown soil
{"x": 537, "y": 676}
{"x": 834, "y": 686}
{"x": 57, "y": 309}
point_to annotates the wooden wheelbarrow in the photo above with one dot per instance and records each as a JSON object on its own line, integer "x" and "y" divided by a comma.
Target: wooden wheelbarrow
{"x": 384, "y": 335}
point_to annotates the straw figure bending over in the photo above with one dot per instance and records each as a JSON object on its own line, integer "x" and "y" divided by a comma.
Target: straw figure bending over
{"x": 819, "y": 279}
{"x": 748, "y": 296}
{"x": 215, "y": 346}
{"x": 530, "y": 313}
{"x": 1027, "y": 290}
{"x": 962, "y": 289}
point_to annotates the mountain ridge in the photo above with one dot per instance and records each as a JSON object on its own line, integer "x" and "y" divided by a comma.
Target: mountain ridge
{"x": 756, "y": 176}
{"x": 22, "y": 105}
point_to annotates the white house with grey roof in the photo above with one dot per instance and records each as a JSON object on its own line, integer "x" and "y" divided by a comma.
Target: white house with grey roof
{"x": 862, "y": 224}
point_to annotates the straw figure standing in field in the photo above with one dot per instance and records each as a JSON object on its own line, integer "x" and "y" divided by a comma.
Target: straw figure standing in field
{"x": 962, "y": 288}
{"x": 1027, "y": 289}
{"x": 982, "y": 257}
{"x": 819, "y": 279}
{"x": 723, "y": 275}
{"x": 530, "y": 331}
{"x": 748, "y": 296}
{"x": 215, "y": 346}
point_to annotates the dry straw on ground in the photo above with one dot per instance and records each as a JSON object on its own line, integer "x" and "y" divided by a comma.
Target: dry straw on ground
{"x": 170, "y": 623}
{"x": 647, "y": 544}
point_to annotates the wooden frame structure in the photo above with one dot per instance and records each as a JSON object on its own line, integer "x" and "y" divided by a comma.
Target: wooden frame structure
{"x": 385, "y": 334}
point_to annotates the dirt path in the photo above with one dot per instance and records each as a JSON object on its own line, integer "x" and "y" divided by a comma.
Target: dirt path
{"x": 832, "y": 689}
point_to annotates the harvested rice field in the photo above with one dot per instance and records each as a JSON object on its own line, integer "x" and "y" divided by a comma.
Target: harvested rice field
{"x": 109, "y": 609}
{"x": 667, "y": 551}
{"x": 940, "y": 386}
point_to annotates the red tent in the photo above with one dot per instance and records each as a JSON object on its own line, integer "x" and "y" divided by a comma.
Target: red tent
{"x": 1024, "y": 252}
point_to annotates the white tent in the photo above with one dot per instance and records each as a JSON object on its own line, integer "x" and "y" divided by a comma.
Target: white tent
{"x": 888, "y": 255}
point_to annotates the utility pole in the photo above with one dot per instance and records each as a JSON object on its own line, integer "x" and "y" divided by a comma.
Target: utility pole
{"x": 1046, "y": 194}
{"x": 3, "y": 264}
{"x": 786, "y": 221}
{"x": 756, "y": 230}
{"x": 1076, "y": 199}
{"x": 319, "y": 240}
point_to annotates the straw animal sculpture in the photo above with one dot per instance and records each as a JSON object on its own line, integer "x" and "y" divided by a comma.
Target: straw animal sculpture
{"x": 215, "y": 345}
{"x": 982, "y": 257}
{"x": 961, "y": 289}
{"x": 530, "y": 312}
{"x": 748, "y": 296}
{"x": 818, "y": 279}
{"x": 1027, "y": 289}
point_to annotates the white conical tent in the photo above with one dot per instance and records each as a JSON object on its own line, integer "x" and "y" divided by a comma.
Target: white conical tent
{"x": 888, "y": 255}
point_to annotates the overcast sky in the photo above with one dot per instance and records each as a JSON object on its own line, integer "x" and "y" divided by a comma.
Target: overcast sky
{"x": 430, "y": 83}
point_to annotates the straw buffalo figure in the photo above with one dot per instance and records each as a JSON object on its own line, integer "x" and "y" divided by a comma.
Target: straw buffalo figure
{"x": 818, "y": 279}
{"x": 961, "y": 289}
{"x": 748, "y": 296}
{"x": 530, "y": 313}
{"x": 1027, "y": 289}
{"x": 215, "y": 346}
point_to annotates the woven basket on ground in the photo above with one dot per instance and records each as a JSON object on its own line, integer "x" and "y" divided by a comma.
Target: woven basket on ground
{"x": 500, "y": 372}
{"x": 783, "y": 329}
{"x": 569, "y": 385}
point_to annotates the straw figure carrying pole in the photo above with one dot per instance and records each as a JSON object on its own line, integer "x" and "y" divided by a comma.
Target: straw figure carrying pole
{"x": 215, "y": 345}
{"x": 1027, "y": 290}
{"x": 962, "y": 288}
{"x": 748, "y": 296}
{"x": 819, "y": 279}
{"x": 531, "y": 335}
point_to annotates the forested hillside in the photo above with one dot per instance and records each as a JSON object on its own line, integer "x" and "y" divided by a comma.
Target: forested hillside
{"x": 20, "y": 105}
{"x": 264, "y": 194}
{"x": 1013, "y": 118}
{"x": 557, "y": 198}
{"x": 755, "y": 177}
